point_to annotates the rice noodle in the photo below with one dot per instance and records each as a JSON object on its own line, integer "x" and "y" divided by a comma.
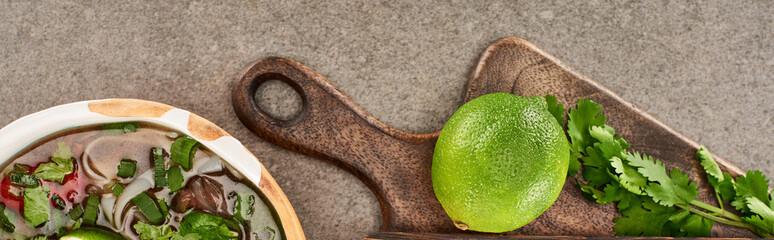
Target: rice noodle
{"x": 107, "y": 203}
{"x": 207, "y": 165}
{"x": 140, "y": 184}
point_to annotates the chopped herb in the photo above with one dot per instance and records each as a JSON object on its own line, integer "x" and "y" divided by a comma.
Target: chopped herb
{"x": 38, "y": 238}
{"x": 123, "y": 127}
{"x": 23, "y": 179}
{"x": 272, "y": 232}
{"x": 163, "y": 207}
{"x": 91, "y": 212}
{"x": 76, "y": 212}
{"x": 207, "y": 226}
{"x": 163, "y": 232}
{"x": 20, "y": 168}
{"x": 183, "y": 151}
{"x": 7, "y": 224}
{"x": 118, "y": 189}
{"x": 238, "y": 210}
{"x": 62, "y": 151}
{"x": 148, "y": 207}
{"x": 36, "y": 205}
{"x": 175, "y": 178}
{"x": 61, "y": 164}
{"x": 77, "y": 224}
{"x": 58, "y": 201}
{"x": 127, "y": 168}
{"x": 159, "y": 169}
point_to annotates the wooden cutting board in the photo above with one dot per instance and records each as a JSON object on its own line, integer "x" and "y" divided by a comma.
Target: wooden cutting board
{"x": 395, "y": 165}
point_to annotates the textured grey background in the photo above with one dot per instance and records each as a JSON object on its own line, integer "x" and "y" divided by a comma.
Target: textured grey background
{"x": 704, "y": 68}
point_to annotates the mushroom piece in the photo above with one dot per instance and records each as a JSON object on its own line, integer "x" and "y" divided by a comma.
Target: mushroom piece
{"x": 203, "y": 194}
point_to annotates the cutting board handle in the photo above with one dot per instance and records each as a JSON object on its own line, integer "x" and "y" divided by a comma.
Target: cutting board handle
{"x": 332, "y": 127}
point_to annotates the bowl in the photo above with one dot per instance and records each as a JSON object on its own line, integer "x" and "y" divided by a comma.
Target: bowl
{"x": 25, "y": 131}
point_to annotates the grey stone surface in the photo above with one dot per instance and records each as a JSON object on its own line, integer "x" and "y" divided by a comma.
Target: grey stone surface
{"x": 704, "y": 68}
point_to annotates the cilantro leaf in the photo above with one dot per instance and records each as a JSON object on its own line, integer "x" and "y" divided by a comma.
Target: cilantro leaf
{"x": 593, "y": 194}
{"x": 651, "y": 168}
{"x": 607, "y": 143}
{"x": 726, "y": 187}
{"x": 574, "y": 167}
{"x": 753, "y": 184}
{"x": 596, "y": 176}
{"x": 644, "y": 218}
{"x": 714, "y": 174}
{"x": 61, "y": 164}
{"x": 207, "y": 226}
{"x": 594, "y": 158}
{"x": 55, "y": 171}
{"x": 766, "y": 225}
{"x": 62, "y": 151}
{"x": 613, "y": 193}
{"x": 7, "y": 225}
{"x": 685, "y": 224}
{"x": 678, "y": 191}
{"x": 628, "y": 177}
{"x": 584, "y": 116}
{"x": 555, "y": 108}
{"x": 36, "y": 205}
{"x": 163, "y": 232}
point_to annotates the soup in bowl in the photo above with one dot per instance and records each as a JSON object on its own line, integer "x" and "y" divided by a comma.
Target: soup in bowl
{"x": 133, "y": 169}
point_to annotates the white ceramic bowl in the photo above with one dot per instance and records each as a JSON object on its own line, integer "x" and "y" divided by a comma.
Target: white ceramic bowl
{"x": 29, "y": 129}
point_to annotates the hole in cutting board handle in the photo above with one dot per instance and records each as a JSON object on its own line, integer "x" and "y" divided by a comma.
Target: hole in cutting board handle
{"x": 277, "y": 98}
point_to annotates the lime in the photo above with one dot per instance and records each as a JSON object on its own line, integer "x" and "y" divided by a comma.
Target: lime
{"x": 89, "y": 233}
{"x": 500, "y": 162}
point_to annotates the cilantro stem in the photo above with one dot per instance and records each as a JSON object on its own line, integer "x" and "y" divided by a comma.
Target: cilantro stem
{"x": 716, "y": 210}
{"x": 720, "y": 219}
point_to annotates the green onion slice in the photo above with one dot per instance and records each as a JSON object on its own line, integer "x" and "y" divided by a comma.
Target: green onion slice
{"x": 148, "y": 207}
{"x": 175, "y": 178}
{"x": 163, "y": 207}
{"x": 58, "y": 201}
{"x": 183, "y": 151}
{"x": 122, "y": 127}
{"x": 23, "y": 179}
{"x": 127, "y": 168}
{"x": 76, "y": 212}
{"x": 91, "y": 212}
{"x": 159, "y": 169}
{"x": 118, "y": 189}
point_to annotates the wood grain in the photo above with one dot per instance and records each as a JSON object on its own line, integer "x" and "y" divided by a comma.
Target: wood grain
{"x": 396, "y": 165}
{"x": 464, "y": 236}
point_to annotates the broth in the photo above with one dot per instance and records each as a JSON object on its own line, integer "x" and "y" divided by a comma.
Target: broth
{"x": 187, "y": 184}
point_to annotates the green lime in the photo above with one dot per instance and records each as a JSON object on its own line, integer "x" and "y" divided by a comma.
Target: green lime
{"x": 89, "y": 233}
{"x": 500, "y": 162}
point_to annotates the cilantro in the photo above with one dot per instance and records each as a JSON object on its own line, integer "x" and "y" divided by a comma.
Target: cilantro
{"x": 36, "y": 205}
{"x": 62, "y": 151}
{"x": 555, "y": 108}
{"x": 7, "y": 224}
{"x": 586, "y": 115}
{"x": 753, "y": 184}
{"x": 629, "y": 178}
{"x": 163, "y": 232}
{"x": 207, "y": 226}
{"x": 61, "y": 164}
{"x": 652, "y": 201}
{"x": 645, "y": 218}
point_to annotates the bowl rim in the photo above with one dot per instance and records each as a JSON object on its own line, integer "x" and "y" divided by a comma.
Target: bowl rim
{"x": 18, "y": 136}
